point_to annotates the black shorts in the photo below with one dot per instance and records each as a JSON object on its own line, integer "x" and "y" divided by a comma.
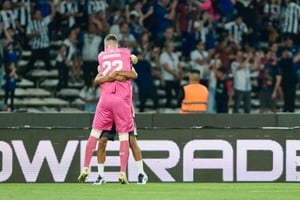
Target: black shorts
{"x": 112, "y": 134}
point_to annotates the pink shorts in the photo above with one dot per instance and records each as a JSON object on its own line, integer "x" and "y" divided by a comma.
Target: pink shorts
{"x": 112, "y": 109}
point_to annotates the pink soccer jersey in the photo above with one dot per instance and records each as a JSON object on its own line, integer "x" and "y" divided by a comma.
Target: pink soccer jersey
{"x": 115, "y": 100}
{"x": 117, "y": 59}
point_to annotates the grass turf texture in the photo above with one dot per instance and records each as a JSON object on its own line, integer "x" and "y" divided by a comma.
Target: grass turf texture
{"x": 150, "y": 191}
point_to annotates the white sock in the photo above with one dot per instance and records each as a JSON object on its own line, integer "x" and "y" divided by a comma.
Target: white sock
{"x": 101, "y": 170}
{"x": 140, "y": 166}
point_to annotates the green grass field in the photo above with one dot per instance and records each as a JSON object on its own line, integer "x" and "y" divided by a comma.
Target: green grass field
{"x": 150, "y": 191}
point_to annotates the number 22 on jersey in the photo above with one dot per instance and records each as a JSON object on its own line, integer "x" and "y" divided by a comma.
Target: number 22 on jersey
{"x": 111, "y": 66}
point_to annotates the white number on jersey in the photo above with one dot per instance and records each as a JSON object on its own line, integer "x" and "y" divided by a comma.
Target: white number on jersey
{"x": 111, "y": 66}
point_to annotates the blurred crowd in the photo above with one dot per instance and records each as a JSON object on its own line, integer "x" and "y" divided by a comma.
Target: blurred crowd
{"x": 244, "y": 49}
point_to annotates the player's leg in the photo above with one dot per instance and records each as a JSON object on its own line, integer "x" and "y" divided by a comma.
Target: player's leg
{"x": 137, "y": 154}
{"x": 89, "y": 150}
{"x": 101, "y": 154}
{"x": 102, "y": 121}
{"x": 124, "y": 155}
{"x": 124, "y": 125}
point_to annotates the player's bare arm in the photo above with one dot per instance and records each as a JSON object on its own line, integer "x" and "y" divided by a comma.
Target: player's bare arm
{"x": 119, "y": 75}
{"x": 102, "y": 79}
{"x": 129, "y": 75}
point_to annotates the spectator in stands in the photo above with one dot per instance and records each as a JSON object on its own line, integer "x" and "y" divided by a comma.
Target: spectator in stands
{"x": 214, "y": 64}
{"x": 38, "y": 33}
{"x": 168, "y": 36}
{"x": 171, "y": 73}
{"x": 92, "y": 44}
{"x": 248, "y": 10}
{"x": 193, "y": 97}
{"x": 68, "y": 13}
{"x": 271, "y": 20}
{"x": 44, "y": 7}
{"x": 90, "y": 94}
{"x": 116, "y": 20}
{"x": 65, "y": 59}
{"x": 270, "y": 80}
{"x": 76, "y": 66}
{"x": 97, "y": 14}
{"x": 237, "y": 29}
{"x": 241, "y": 69}
{"x": 147, "y": 10}
{"x": 225, "y": 48}
{"x": 199, "y": 60}
{"x": 8, "y": 17}
{"x": 11, "y": 47}
{"x": 227, "y": 10}
{"x": 212, "y": 7}
{"x": 289, "y": 80}
{"x": 11, "y": 78}
{"x": 145, "y": 82}
{"x": 188, "y": 12}
{"x": 164, "y": 16}
{"x": 223, "y": 91}
{"x": 290, "y": 45}
{"x": 135, "y": 18}
{"x": 96, "y": 7}
{"x": 272, "y": 11}
{"x": 150, "y": 53}
{"x": 22, "y": 9}
{"x": 54, "y": 26}
{"x": 291, "y": 22}
{"x": 126, "y": 38}
{"x": 205, "y": 31}
{"x": 145, "y": 46}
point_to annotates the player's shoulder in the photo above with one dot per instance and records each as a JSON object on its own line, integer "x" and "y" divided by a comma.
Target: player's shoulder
{"x": 101, "y": 53}
{"x": 125, "y": 50}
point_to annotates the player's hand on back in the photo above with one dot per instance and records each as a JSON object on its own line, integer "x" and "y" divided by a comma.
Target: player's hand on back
{"x": 133, "y": 59}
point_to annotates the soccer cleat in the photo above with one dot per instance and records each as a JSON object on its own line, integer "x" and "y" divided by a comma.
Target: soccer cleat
{"x": 142, "y": 179}
{"x": 81, "y": 178}
{"x": 99, "y": 181}
{"x": 123, "y": 178}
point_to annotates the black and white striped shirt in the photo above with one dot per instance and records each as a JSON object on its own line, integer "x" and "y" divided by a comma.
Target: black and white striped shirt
{"x": 69, "y": 53}
{"x": 272, "y": 11}
{"x": 8, "y": 19}
{"x": 23, "y": 13}
{"x": 291, "y": 18}
{"x": 236, "y": 31}
{"x": 95, "y": 6}
{"x": 41, "y": 41}
{"x": 69, "y": 7}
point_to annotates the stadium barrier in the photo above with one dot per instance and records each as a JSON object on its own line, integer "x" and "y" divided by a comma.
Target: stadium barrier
{"x": 176, "y": 148}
